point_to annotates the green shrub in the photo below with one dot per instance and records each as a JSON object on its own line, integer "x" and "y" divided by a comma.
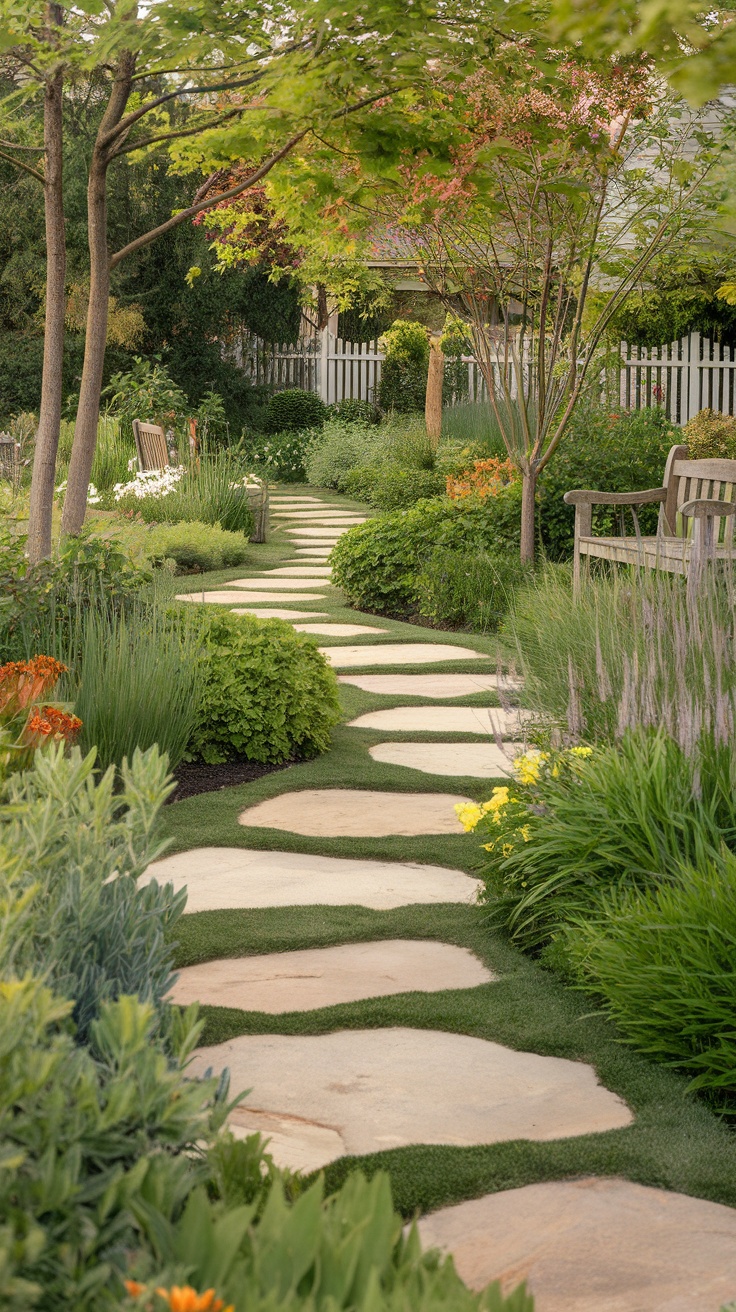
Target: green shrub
{"x": 711, "y": 435}
{"x": 196, "y": 547}
{"x": 339, "y": 447}
{"x": 351, "y": 410}
{"x": 268, "y": 693}
{"x": 610, "y": 453}
{"x": 92, "y": 936}
{"x": 468, "y": 589}
{"x": 377, "y": 563}
{"x": 403, "y": 382}
{"x": 293, "y": 409}
{"x": 662, "y": 960}
{"x": 392, "y": 486}
{"x": 281, "y": 457}
{"x": 137, "y": 681}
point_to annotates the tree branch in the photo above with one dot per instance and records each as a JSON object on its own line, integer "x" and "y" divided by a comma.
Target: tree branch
{"x": 173, "y": 136}
{"x": 133, "y": 117}
{"x": 31, "y": 150}
{"x": 25, "y": 167}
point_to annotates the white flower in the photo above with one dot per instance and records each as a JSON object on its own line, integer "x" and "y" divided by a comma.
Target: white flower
{"x": 132, "y": 464}
{"x": 150, "y": 483}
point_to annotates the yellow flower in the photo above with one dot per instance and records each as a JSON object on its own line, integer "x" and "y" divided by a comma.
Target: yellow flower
{"x": 526, "y": 833}
{"x": 581, "y": 751}
{"x": 507, "y": 849}
{"x": 499, "y": 798}
{"x": 468, "y": 813}
{"x": 527, "y": 767}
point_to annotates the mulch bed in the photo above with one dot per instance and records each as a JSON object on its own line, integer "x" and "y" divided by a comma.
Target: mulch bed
{"x": 194, "y": 777}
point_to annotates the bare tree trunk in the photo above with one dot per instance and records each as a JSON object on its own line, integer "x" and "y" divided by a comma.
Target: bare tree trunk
{"x": 528, "y": 514}
{"x": 433, "y": 399}
{"x": 88, "y": 412}
{"x": 47, "y": 437}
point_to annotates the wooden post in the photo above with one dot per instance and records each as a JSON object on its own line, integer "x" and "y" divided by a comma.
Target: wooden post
{"x": 433, "y": 399}
{"x": 583, "y": 528}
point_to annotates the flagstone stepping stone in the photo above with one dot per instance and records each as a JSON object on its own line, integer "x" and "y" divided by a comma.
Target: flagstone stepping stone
{"x": 278, "y": 982}
{"x": 440, "y": 719}
{"x": 303, "y": 531}
{"x": 338, "y": 630}
{"x": 594, "y": 1245}
{"x": 224, "y": 878}
{"x": 318, "y": 552}
{"x": 430, "y": 685}
{"x": 225, "y": 598}
{"x": 386, "y": 1088}
{"x": 277, "y": 500}
{"x": 399, "y": 653}
{"x": 356, "y": 813}
{"x": 293, "y": 571}
{"x": 318, "y": 515}
{"x": 276, "y": 614}
{"x": 473, "y": 760}
{"x": 253, "y": 584}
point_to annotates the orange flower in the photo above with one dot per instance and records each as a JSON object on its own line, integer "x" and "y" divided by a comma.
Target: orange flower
{"x": 52, "y": 724}
{"x": 23, "y": 682}
{"x": 182, "y": 1298}
{"x": 485, "y": 479}
{"x": 134, "y": 1287}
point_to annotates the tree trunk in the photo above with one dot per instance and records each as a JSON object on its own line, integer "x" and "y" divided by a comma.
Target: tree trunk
{"x": 88, "y": 411}
{"x": 528, "y": 514}
{"x": 49, "y": 422}
{"x": 433, "y": 399}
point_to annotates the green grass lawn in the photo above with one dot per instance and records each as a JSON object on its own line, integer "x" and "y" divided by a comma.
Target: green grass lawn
{"x": 675, "y": 1142}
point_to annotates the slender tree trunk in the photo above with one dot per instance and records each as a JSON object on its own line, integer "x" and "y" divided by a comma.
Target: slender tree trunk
{"x": 433, "y": 399}
{"x": 528, "y": 514}
{"x": 47, "y": 437}
{"x": 88, "y": 412}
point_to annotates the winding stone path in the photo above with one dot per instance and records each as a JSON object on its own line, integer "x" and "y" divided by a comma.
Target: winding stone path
{"x": 225, "y": 598}
{"x": 221, "y": 878}
{"x": 279, "y": 982}
{"x": 295, "y": 571}
{"x": 272, "y": 584}
{"x": 274, "y": 613}
{"x": 441, "y": 719}
{"x": 385, "y": 1088}
{"x": 338, "y": 630}
{"x": 356, "y": 813}
{"x": 594, "y": 1245}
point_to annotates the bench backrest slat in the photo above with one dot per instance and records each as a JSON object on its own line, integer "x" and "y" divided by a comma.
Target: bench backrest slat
{"x": 150, "y": 442}
{"x": 694, "y": 480}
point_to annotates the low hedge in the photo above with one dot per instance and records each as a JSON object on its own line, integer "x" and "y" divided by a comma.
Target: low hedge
{"x": 196, "y": 547}
{"x": 377, "y": 563}
{"x": 268, "y": 693}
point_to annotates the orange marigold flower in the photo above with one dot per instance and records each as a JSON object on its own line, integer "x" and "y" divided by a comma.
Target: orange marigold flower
{"x": 182, "y": 1298}
{"x": 51, "y": 723}
{"x": 134, "y": 1287}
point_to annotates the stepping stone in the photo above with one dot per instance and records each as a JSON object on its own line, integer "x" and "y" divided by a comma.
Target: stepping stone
{"x": 225, "y": 598}
{"x": 594, "y": 1245}
{"x": 386, "y": 1088}
{"x": 276, "y": 614}
{"x": 280, "y": 982}
{"x": 338, "y": 630}
{"x": 319, "y": 516}
{"x": 430, "y": 685}
{"x": 356, "y": 813}
{"x": 399, "y": 653}
{"x": 319, "y": 552}
{"x": 253, "y": 584}
{"x": 293, "y": 571}
{"x": 224, "y": 878}
{"x": 277, "y": 500}
{"x": 473, "y": 760}
{"x": 441, "y": 719}
{"x": 324, "y": 547}
{"x": 303, "y": 531}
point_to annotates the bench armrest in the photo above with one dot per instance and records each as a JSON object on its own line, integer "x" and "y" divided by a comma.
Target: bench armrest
{"x": 581, "y": 497}
{"x": 702, "y": 508}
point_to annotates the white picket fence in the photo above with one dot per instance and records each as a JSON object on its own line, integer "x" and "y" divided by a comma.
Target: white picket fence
{"x": 684, "y": 377}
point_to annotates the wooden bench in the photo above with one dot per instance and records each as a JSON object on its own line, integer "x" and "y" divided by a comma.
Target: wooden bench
{"x": 150, "y": 444}
{"x": 696, "y": 519}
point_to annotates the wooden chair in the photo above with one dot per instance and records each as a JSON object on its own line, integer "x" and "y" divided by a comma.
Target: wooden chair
{"x": 696, "y": 518}
{"x": 150, "y": 443}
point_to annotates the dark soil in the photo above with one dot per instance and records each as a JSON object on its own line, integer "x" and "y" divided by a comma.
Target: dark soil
{"x": 193, "y": 777}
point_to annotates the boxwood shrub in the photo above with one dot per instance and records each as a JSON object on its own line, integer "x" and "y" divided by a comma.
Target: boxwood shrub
{"x": 377, "y": 563}
{"x": 294, "y": 409}
{"x": 268, "y": 693}
{"x": 196, "y": 547}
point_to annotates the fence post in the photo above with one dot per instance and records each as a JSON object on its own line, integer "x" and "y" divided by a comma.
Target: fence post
{"x": 324, "y": 366}
{"x": 693, "y": 377}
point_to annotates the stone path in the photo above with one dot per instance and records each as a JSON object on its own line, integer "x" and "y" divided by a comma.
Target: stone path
{"x": 590, "y": 1245}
